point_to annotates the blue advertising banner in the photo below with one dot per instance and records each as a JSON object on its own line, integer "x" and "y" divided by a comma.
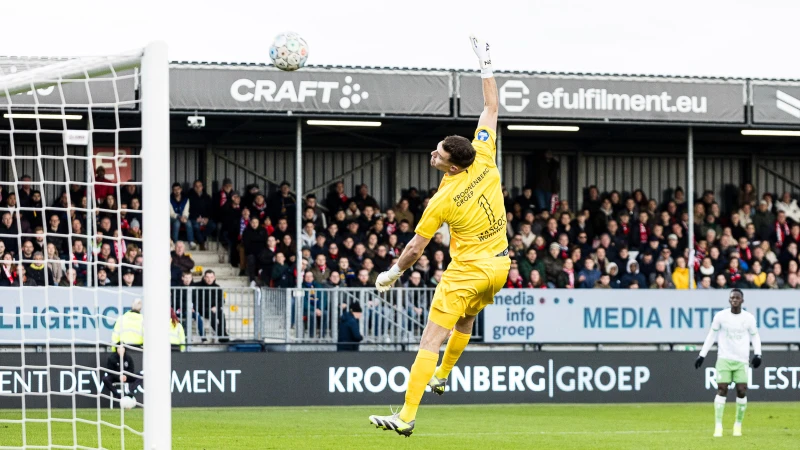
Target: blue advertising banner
{"x": 630, "y": 316}
{"x": 80, "y": 315}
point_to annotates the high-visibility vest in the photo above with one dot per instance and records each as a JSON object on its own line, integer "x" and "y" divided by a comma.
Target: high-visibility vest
{"x": 129, "y": 329}
{"x": 176, "y": 335}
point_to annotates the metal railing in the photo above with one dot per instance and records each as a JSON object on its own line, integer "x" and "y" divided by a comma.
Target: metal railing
{"x": 312, "y": 316}
{"x": 218, "y": 314}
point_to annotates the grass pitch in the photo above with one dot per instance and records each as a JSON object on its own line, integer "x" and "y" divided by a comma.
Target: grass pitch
{"x": 622, "y": 426}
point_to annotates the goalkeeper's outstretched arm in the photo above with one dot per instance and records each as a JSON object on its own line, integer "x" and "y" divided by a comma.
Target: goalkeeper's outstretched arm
{"x": 490, "y": 104}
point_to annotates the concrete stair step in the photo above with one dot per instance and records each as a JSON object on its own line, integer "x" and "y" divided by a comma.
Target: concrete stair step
{"x": 203, "y": 258}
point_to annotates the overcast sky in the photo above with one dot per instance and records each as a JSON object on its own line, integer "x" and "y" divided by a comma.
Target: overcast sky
{"x": 755, "y": 38}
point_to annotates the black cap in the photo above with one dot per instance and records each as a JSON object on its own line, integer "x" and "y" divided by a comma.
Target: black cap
{"x": 127, "y": 270}
{"x": 226, "y": 181}
{"x": 355, "y": 306}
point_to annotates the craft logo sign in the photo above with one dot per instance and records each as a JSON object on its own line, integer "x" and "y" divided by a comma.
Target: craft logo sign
{"x": 311, "y": 90}
{"x": 247, "y": 90}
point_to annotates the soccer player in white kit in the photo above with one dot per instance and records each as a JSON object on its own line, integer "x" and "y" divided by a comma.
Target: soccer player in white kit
{"x": 738, "y": 328}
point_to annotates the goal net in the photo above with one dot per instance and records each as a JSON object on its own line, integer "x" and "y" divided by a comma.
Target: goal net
{"x": 84, "y": 275}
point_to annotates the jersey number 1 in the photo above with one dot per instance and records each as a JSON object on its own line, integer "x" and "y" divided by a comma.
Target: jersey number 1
{"x": 487, "y": 208}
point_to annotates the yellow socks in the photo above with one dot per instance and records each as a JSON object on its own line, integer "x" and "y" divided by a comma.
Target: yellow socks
{"x": 455, "y": 346}
{"x": 421, "y": 372}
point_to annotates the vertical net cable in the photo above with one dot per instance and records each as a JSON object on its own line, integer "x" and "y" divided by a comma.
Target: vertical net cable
{"x": 62, "y": 329}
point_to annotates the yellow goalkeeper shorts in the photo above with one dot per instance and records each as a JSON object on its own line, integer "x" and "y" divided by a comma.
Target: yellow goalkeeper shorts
{"x": 466, "y": 288}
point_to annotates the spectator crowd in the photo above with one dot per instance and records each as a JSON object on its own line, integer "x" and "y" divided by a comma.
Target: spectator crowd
{"x": 627, "y": 241}
{"x": 614, "y": 240}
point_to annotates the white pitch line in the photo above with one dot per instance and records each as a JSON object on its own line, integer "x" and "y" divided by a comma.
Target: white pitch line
{"x": 506, "y": 433}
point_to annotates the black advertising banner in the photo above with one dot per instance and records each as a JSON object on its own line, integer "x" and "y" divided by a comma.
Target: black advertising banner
{"x": 775, "y": 102}
{"x": 379, "y": 378}
{"x": 608, "y": 98}
{"x": 266, "y": 89}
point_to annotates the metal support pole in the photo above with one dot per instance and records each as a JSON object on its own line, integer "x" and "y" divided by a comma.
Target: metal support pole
{"x": 298, "y": 167}
{"x": 500, "y": 150}
{"x": 690, "y": 201}
{"x": 209, "y": 164}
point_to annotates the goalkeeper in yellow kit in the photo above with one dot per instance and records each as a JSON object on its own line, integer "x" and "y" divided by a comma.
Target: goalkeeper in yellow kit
{"x": 470, "y": 200}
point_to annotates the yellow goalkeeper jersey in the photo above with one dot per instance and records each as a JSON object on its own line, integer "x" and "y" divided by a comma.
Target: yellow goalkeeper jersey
{"x": 471, "y": 203}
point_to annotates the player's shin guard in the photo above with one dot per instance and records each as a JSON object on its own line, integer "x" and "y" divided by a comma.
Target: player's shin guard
{"x": 421, "y": 372}
{"x": 455, "y": 346}
{"x": 719, "y": 409}
{"x": 741, "y": 406}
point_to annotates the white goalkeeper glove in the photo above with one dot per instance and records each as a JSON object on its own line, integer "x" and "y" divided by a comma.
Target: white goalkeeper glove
{"x": 481, "y": 49}
{"x": 386, "y": 279}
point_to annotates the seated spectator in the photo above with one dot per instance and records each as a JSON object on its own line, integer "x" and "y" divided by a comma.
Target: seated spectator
{"x": 771, "y": 282}
{"x": 613, "y": 272}
{"x": 604, "y": 282}
{"x": 788, "y": 206}
{"x": 536, "y": 281}
{"x": 282, "y": 229}
{"x": 212, "y": 301}
{"x": 282, "y": 203}
{"x": 514, "y": 280}
{"x": 404, "y": 232}
{"x": 321, "y": 270}
{"x": 781, "y": 232}
{"x": 129, "y": 278}
{"x": 287, "y": 247}
{"x": 346, "y": 272}
{"x": 200, "y": 214}
{"x": 334, "y": 281}
{"x": 185, "y": 303}
{"x": 423, "y": 266}
{"x": 37, "y": 271}
{"x": 530, "y": 262}
{"x": 402, "y": 212}
{"x": 181, "y": 259}
{"x": 349, "y": 333}
{"x": 733, "y": 273}
{"x": 308, "y": 238}
{"x": 315, "y": 304}
{"x": 588, "y": 276}
{"x": 436, "y": 278}
{"x": 102, "y": 278}
{"x": 526, "y": 235}
{"x": 553, "y": 264}
{"x": 281, "y": 272}
{"x": 792, "y": 281}
{"x": 55, "y": 265}
{"x": 680, "y": 274}
{"x": 707, "y": 268}
{"x": 759, "y": 276}
{"x": 336, "y": 199}
{"x": 566, "y": 279}
{"x": 634, "y": 275}
{"x": 361, "y": 280}
{"x": 320, "y": 246}
{"x": 78, "y": 261}
{"x": 179, "y": 215}
{"x": 112, "y": 271}
{"x": 318, "y": 218}
{"x": 221, "y": 198}
{"x": 659, "y": 282}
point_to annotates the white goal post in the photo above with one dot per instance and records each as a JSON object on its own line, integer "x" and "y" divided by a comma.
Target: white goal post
{"x": 24, "y": 110}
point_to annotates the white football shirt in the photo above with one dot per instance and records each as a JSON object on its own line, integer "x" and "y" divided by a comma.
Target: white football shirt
{"x": 734, "y": 333}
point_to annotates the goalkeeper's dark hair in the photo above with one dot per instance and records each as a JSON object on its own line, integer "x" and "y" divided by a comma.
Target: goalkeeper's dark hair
{"x": 739, "y": 291}
{"x": 462, "y": 154}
